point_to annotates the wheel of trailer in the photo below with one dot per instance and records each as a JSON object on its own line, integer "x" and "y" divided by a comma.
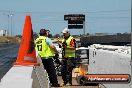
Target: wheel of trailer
{"x": 81, "y": 80}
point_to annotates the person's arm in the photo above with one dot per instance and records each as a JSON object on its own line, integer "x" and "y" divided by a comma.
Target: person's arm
{"x": 54, "y": 48}
{"x": 59, "y": 42}
{"x": 51, "y": 45}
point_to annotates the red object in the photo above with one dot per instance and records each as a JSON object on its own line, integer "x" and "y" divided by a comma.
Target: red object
{"x": 72, "y": 43}
{"x": 27, "y": 53}
{"x": 105, "y": 78}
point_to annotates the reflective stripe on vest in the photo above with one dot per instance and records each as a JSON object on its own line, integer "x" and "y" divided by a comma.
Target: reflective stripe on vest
{"x": 43, "y": 49}
{"x": 69, "y": 52}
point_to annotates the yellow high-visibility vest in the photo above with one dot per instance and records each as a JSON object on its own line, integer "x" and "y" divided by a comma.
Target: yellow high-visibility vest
{"x": 43, "y": 49}
{"x": 69, "y": 52}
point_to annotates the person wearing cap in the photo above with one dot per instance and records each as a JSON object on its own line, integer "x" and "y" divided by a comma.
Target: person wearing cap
{"x": 68, "y": 55}
{"x": 46, "y": 51}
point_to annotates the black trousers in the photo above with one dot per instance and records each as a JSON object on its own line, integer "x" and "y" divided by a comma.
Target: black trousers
{"x": 66, "y": 70}
{"x": 50, "y": 68}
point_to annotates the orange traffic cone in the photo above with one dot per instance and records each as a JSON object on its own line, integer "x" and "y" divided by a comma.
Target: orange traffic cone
{"x": 27, "y": 53}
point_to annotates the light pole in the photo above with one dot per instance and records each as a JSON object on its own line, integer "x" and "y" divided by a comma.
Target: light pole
{"x": 8, "y": 20}
{"x": 11, "y": 22}
{"x": 8, "y": 26}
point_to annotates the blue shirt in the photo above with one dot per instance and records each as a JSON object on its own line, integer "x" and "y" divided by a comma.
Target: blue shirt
{"x": 48, "y": 41}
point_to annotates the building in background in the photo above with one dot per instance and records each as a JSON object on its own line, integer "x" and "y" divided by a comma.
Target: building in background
{"x": 3, "y": 32}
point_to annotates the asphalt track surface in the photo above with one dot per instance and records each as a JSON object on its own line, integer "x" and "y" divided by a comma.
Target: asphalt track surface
{"x": 8, "y": 54}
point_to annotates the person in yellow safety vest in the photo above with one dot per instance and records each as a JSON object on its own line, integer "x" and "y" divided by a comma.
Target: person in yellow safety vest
{"x": 46, "y": 51}
{"x": 68, "y": 56}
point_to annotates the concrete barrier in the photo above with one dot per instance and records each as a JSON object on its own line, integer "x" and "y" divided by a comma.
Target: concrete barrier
{"x": 26, "y": 77}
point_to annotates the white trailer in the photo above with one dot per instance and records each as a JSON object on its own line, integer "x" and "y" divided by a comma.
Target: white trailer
{"x": 108, "y": 59}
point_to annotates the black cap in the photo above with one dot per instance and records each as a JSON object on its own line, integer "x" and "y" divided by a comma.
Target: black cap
{"x": 43, "y": 31}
